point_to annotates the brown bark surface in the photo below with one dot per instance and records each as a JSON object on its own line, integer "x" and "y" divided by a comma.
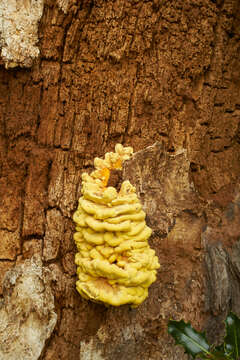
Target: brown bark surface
{"x": 130, "y": 72}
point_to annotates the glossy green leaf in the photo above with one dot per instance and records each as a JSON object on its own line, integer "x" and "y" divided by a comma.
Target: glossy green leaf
{"x": 232, "y": 338}
{"x": 193, "y": 342}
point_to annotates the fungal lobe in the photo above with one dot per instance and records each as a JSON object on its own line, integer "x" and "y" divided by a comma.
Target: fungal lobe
{"x": 115, "y": 264}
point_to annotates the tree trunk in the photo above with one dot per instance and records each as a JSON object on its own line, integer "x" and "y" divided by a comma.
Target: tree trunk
{"x": 138, "y": 73}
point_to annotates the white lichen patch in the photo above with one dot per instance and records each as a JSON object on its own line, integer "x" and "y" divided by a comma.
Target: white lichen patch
{"x": 19, "y": 31}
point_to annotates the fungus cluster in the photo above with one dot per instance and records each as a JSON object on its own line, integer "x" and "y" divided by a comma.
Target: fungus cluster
{"x": 115, "y": 264}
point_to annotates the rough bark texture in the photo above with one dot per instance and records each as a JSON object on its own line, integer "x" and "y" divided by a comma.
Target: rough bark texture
{"x": 133, "y": 72}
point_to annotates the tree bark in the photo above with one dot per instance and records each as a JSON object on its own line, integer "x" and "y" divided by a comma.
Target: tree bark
{"x": 138, "y": 73}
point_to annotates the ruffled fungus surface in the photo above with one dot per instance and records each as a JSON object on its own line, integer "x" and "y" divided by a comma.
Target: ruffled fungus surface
{"x": 115, "y": 264}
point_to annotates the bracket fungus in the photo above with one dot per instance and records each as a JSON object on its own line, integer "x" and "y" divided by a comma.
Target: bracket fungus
{"x": 115, "y": 264}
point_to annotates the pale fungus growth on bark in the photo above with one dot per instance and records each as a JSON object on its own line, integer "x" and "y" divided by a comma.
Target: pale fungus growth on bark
{"x": 116, "y": 266}
{"x": 19, "y": 31}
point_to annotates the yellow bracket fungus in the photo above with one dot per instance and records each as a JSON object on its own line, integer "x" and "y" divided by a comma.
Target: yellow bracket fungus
{"x": 115, "y": 264}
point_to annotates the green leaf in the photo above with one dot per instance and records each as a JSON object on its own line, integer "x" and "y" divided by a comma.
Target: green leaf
{"x": 194, "y": 342}
{"x": 232, "y": 338}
